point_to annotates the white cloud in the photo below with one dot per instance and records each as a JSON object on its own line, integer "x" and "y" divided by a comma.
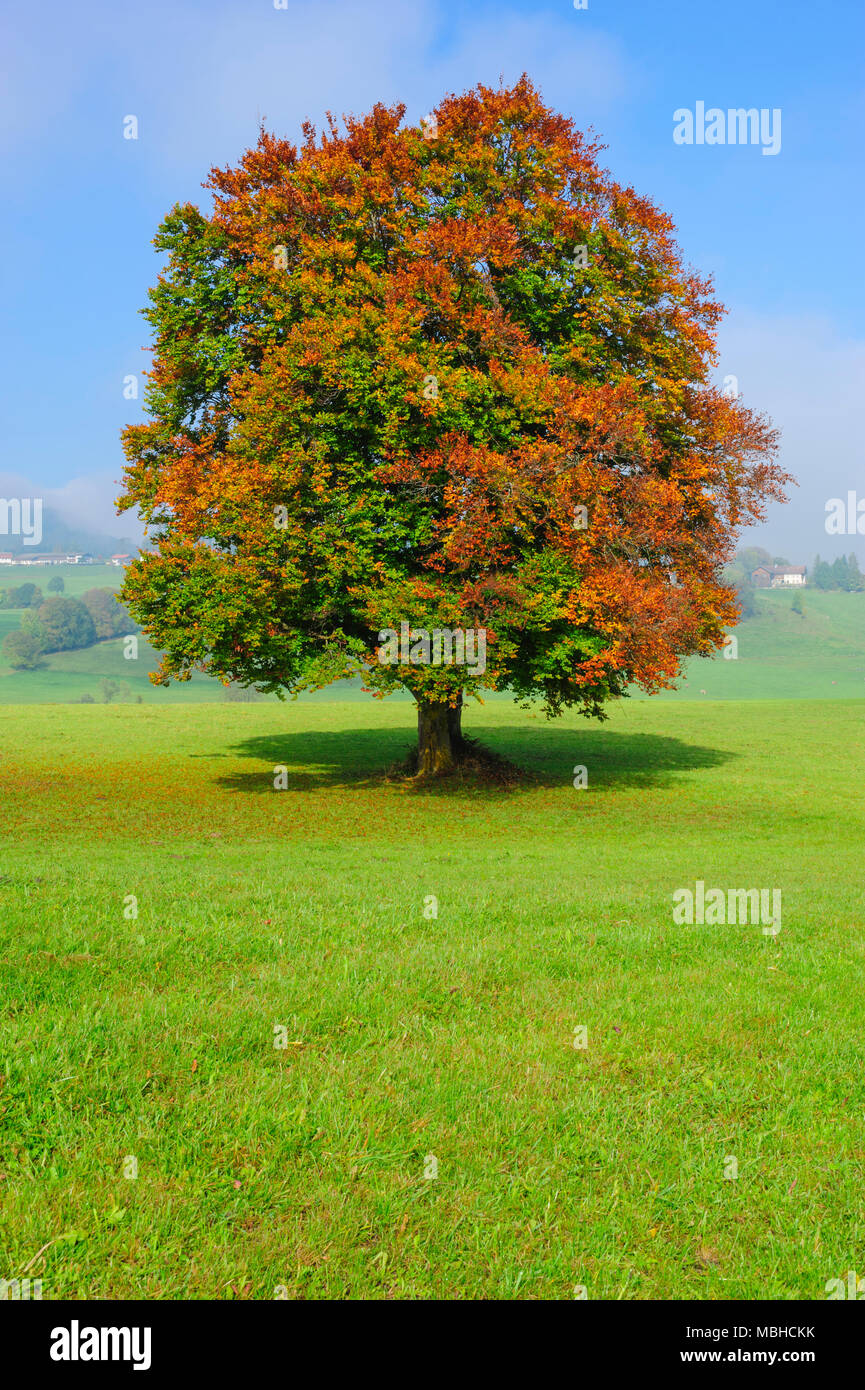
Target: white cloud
{"x": 85, "y": 502}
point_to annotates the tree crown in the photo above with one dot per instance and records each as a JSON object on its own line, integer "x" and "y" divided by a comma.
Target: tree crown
{"x": 453, "y": 376}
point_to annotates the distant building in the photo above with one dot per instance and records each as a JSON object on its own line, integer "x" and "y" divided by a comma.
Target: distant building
{"x": 121, "y": 559}
{"x": 779, "y": 576}
{"x": 6, "y": 557}
{"x": 26, "y": 558}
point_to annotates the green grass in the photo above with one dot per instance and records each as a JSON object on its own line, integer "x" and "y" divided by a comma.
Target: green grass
{"x": 411, "y": 1036}
{"x": 820, "y": 655}
{"x": 77, "y": 579}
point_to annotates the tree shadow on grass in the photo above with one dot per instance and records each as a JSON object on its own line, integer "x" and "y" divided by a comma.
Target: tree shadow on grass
{"x": 357, "y": 759}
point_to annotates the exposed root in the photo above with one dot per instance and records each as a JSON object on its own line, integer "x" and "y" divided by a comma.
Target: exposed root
{"x": 472, "y": 762}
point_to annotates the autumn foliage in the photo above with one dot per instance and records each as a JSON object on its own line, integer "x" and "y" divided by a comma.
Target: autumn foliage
{"x": 449, "y": 374}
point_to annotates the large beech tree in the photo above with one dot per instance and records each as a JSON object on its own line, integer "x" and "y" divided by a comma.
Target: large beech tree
{"x": 451, "y": 375}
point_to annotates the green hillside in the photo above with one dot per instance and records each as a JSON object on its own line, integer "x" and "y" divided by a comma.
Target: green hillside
{"x": 785, "y": 656}
{"x": 77, "y": 579}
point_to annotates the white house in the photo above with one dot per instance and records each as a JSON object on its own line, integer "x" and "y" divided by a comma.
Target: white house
{"x": 779, "y": 576}
{"x": 787, "y": 576}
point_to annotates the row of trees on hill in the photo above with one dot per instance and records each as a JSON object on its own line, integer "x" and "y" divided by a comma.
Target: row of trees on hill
{"x": 29, "y": 595}
{"x": 65, "y": 624}
{"x": 843, "y": 573}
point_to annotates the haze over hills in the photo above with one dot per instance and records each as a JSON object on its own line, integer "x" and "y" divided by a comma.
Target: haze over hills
{"x": 60, "y": 534}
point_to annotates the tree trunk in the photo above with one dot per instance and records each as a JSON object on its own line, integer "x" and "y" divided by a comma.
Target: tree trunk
{"x": 434, "y": 751}
{"x": 455, "y": 726}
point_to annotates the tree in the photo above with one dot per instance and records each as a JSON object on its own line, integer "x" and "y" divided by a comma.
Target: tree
{"x": 66, "y": 625}
{"x": 22, "y": 649}
{"x": 738, "y": 575}
{"x": 25, "y": 596}
{"x": 840, "y": 571}
{"x": 110, "y": 618}
{"x": 821, "y": 574}
{"x": 453, "y": 378}
{"x": 114, "y": 690}
{"x": 56, "y": 584}
{"x": 752, "y": 556}
{"x": 746, "y": 599}
{"x": 844, "y": 573}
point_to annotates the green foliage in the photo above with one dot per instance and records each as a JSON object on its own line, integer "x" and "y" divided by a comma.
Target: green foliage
{"x": 844, "y": 574}
{"x": 750, "y": 557}
{"x": 24, "y": 596}
{"x": 110, "y": 618}
{"x": 56, "y": 584}
{"x": 22, "y": 649}
{"x": 66, "y": 625}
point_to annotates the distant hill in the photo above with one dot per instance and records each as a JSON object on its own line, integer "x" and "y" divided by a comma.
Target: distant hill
{"x": 61, "y": 535}
{"x": 819, "y": 654}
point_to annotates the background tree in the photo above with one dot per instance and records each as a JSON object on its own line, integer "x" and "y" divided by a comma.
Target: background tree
{"x": 24, "y": 596}
{"x": 110, "y": 618}
{"x": 454, "y": 376}
{"x": 114, "y": 690}
{"x": 843, "y": 573}
{"x": 738, "y": 575}
{"x": 840, "y": 571}
{"x": 750, "y": 557}
{"x": 821, "y": 574}
{"x": 56, "y": 584}
{"x": 23, "y": 649}
{"x": 65, "y": 625}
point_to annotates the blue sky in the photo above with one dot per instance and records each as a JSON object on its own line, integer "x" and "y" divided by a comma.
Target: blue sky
{"x": 782, "y": 235}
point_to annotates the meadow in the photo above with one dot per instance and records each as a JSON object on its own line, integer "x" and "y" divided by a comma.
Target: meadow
{"x": 320, "y": 1042}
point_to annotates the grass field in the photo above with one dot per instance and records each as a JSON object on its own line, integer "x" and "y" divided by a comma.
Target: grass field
{"x": 411, "y": 1037}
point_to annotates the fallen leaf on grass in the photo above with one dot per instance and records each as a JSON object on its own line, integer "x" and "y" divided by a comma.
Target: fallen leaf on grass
{"x": 706, "y": 1257}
